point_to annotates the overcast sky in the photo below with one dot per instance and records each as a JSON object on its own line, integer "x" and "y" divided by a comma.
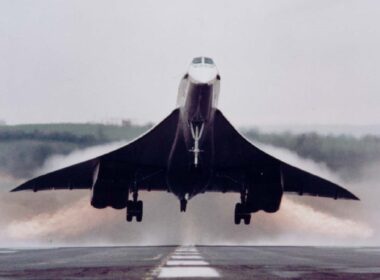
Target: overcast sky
{"x": 281, "y": 62}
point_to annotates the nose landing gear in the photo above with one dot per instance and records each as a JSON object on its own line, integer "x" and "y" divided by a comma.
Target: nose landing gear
{"x": 134, "y": 208}
{"x": 196, "y": 133}
{"x": 242, "y": 210}
{"x": 241, "y": 213}
{"x": 183, "y": 204}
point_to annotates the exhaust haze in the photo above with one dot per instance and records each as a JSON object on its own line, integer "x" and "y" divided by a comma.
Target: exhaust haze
{"x": 67, "y": 218}
{"x": 281, "y": 62}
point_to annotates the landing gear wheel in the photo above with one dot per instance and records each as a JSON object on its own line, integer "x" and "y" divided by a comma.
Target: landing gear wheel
{"x": 129, "y": 218}
{"x": 247, "y": 219}
{"x": 139, "y": 211}
{"x": 129, "y": 210}
{"x": 241, "y": 213}
{"x": 183, "y": 204}
{"x": 139, "y": 206}
{"x": 134, "y": 209}
{"x": 238, "y": 213}
{"x": 237, "y": 220}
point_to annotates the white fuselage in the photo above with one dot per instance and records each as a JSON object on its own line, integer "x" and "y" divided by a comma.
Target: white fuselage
{"x": 197, "y": 100}
{"x": 197, "y": 75}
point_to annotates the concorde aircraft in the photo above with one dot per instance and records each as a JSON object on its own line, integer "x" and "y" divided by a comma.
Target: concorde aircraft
{"x": 192, "y": 151}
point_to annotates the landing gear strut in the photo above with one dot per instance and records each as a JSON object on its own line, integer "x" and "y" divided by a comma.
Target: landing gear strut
{"x": 241, "y": 209}
{"x": 196, "y": 133}
{"x": 134, "y": 208}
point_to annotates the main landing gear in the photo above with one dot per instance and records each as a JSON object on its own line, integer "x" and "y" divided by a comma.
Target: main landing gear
{"x": 134, "y": 208}
{"x": 241, "y": 210}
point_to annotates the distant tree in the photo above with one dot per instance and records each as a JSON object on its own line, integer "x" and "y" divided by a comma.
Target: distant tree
{"x": 344, "y": 154}
{"x": 126, "y": 123}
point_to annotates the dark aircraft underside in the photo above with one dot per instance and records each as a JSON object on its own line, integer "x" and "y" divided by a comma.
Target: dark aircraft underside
{"x": 159, "y": 161}
{"x": 194, "y": 150}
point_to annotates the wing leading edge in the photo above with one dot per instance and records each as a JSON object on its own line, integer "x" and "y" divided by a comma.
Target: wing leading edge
{"x": 144, "y": 159}
{"x": 141, "y": 161}
{"x": 234, "y": 152}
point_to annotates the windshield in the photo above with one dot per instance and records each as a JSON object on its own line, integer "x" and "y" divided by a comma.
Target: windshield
{"x": 208, "y": 60}
{"x": 197, "y": 60}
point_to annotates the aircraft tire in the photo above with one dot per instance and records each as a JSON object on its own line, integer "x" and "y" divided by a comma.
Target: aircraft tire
{"x": 238, "y": 216}
{"x": 129, "y": 218}
{"x": 139, "y": 210}
{"x": 247, "y": 219}
{"x": 183, "y": 203}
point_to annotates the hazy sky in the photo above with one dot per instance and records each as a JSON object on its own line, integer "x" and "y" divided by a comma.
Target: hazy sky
{"x": 281, "y": 62}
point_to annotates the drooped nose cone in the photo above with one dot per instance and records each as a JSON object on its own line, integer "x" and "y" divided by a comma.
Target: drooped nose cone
{"x": 203, "y": 73}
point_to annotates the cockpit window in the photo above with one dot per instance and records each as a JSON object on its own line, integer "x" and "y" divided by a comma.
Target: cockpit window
{"x": 197, "y": 60}
{"x": 208, "y": 60}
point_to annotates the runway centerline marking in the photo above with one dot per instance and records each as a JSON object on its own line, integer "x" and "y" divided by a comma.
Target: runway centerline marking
{"x": 186, "y": 262}
{"x": 189, "y": 271}
{"x": 186, "y": 257}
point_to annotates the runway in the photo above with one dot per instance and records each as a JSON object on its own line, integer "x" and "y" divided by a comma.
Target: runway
{"x": 190, "y": 262}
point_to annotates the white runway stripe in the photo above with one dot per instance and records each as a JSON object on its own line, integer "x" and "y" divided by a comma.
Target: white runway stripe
{"x": 187, "y": 257}
{"x": 180, "y": 255}
{"x": 187, "y": 250}
{"x": 187, "y": 262}
{"x": 178, "y": 272}
{"x": 185, "y": 253}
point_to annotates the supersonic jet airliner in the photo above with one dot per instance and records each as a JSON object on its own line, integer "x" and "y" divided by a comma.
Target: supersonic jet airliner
{"x": 194, "y": 150}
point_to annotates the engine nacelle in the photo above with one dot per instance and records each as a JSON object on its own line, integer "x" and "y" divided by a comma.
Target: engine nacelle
{"x": 265, "y": 190}
{"x": 107, "y": 192}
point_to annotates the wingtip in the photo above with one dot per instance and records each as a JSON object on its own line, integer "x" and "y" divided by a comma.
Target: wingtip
{"x": 352, "y": 196}
{"x": 17, "y": 189}
{"x": 23, "y": 187}
{"x": 346, "y": 194}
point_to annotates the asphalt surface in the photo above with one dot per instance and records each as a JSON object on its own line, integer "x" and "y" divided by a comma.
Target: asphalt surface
{"x": 190, "y": 262}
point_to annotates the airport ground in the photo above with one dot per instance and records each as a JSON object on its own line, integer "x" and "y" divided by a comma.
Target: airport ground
{"x": 190, "y": 262}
